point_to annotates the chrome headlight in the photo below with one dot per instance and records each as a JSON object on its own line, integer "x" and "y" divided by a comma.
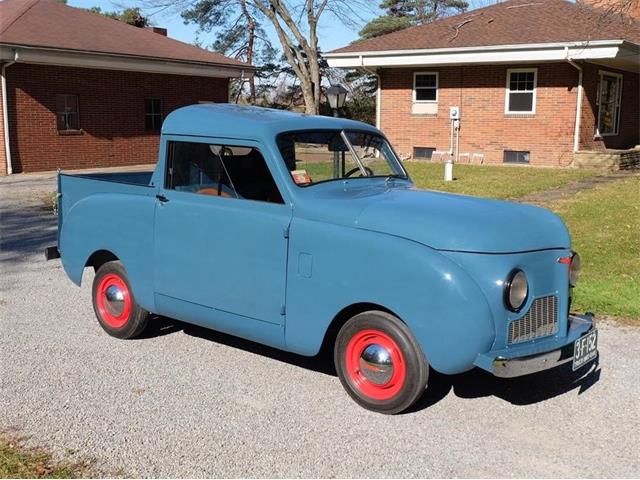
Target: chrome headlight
{"x": 516, "y": 290}
{"x": 574, "y": 269}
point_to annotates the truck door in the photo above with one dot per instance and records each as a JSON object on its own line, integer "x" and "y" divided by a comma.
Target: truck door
{"x": 221, "y": 232}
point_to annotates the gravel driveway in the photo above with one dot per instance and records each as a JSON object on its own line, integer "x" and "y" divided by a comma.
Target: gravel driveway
{"x": 186, "y": 402}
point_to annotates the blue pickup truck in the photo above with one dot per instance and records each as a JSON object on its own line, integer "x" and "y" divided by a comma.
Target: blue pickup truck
{"x": 304, "y": 232}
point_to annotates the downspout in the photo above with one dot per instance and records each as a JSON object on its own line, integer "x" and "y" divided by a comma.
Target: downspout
{"x": 378, "y": 91}
{"x": 5, "y": 111}
{"x": 576, "y": 133}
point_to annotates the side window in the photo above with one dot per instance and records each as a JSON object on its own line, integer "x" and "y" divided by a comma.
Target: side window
{"x": 68, "y": 113}
{"x": 609, "y": 103}
{"x": 521, "y": 90}
{"x": 220, "y": 170}
{"x": 425, "y": 87}
{"x": 152, "y": 114}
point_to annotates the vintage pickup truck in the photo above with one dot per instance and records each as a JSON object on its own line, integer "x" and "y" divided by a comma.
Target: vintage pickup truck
{"x": 303, "y": 232}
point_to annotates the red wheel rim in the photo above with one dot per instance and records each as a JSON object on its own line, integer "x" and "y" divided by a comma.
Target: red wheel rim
{"x": 113, "y": 300}
{"x": 378, "y": 390}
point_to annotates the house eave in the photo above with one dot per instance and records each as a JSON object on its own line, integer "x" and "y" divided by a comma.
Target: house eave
{"x": 627, "y": 54}
{"x": 111, "y": 61}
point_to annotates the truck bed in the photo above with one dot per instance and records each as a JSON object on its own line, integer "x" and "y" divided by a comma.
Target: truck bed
{"x": 132, "y": 178}
{"x": 74, "y": 189}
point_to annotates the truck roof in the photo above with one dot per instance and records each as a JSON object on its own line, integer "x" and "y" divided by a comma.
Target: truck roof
{"x": 243, "y": 121}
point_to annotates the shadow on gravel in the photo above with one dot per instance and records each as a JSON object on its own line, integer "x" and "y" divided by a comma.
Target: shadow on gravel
{"x": 26, "y": 230}
{"x": 160, "y": 326}
{"x": 525, "y": 390}
{"x": 473, "y": 384}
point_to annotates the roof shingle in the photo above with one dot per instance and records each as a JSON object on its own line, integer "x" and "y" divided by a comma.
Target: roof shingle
{"x": 50, "y": 24}
{"x": 512, "y": 22}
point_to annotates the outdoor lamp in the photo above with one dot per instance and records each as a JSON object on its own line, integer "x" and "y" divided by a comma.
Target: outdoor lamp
{"x": 336, "y": 94}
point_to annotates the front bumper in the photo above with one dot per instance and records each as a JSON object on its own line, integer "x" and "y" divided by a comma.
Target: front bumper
{"x": 526, "y": 359}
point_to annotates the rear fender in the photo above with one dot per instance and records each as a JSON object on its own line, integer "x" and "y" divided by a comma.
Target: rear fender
{"x": 118, "y": 223}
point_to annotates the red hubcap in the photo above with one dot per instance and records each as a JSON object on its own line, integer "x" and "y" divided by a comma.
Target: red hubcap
{"x": 113, "y": 300}
{"x": 375, "y": 365}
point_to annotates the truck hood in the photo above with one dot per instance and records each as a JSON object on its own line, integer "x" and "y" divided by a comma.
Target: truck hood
{"x": 451, "y": 222}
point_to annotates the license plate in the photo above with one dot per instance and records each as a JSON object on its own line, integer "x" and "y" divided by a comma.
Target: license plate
{"x": 585, "y": 349}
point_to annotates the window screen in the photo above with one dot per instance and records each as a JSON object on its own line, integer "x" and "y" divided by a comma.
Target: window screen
{"x": 67, "y": 112}
{"x": 516, "y": 156}
{"x": 521, "y": 86}
{"x": 423, "y": 153}
{"x": 152, "y": 114}
{"x": 220, "y": 170}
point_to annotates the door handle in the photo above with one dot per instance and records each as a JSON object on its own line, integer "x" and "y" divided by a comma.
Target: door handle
{"x": 162, "y": 198}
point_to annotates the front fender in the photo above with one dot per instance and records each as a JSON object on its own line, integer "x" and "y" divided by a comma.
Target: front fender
{"x": 119, "y": 223}
{"x": 332, "y": 267}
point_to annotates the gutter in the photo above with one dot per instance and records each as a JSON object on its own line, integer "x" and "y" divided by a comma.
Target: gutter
{"x": 5, "y": 111}
{"x": 124, "y": 56}
{"x": 483, "y": 48}
{"x": 576, "y": 133}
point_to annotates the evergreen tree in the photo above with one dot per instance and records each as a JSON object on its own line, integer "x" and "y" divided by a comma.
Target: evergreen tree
{"x": 241, "y": 34}
{"x": 131, "y": 16}
{"x": 400, "y": 14}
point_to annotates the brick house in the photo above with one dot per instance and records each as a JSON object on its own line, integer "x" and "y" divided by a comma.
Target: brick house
{"x": 546, "y": 83}
{"x": 81, "y": 90}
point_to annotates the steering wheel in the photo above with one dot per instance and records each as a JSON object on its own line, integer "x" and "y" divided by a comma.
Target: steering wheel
{"x": 357, "y": 169}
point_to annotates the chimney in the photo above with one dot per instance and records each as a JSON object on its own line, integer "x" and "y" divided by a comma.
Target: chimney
{"x": 158, "y": 30}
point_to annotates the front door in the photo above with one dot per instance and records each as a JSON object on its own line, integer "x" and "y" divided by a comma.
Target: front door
{"x": 220, "y": 232}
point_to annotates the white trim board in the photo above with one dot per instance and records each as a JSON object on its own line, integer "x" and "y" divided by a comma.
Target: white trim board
{"x": 66, "y": 58}
{"x": 626, "y": 53}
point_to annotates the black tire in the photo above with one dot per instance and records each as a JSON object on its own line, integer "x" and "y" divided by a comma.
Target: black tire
{"x": 121, "y": 317}
{"x": 383, "y": 389}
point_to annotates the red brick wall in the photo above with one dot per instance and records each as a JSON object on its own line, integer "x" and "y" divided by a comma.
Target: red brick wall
{"x": 111, "y": 107}
{"x": 3, "y": 159}
{"x": 629, "y": 134}
{"x": 479, "y": 91}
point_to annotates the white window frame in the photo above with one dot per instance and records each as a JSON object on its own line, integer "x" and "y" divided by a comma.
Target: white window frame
{"x": 437, "y": 87}
{"x": 620, "y": 77}
{"x": 508, "y": 91}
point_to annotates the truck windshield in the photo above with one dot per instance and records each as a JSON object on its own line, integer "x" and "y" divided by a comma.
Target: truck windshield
{"x": 320, "y": 156}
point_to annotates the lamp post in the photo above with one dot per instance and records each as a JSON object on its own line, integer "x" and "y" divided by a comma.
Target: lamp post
{"x": 336, "y": 94}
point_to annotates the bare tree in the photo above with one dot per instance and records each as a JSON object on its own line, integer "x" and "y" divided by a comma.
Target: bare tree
{"x": 623, "y": 8}
{"x": 295, "y": 23}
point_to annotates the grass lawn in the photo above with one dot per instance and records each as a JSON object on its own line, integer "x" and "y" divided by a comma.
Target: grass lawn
{"x": 493, "y": 181}
{"x": 17, "y": 461}
{"x": 485, "y": 181}
{"x": 605, "y": 228}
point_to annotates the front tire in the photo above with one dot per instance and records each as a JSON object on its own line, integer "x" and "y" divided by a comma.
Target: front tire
{"x": 380, "y": 363}
{"x": 115, "y": 307}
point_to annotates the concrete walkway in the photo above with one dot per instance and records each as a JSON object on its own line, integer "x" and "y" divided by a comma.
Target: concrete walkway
{"x": 546, "y": 196}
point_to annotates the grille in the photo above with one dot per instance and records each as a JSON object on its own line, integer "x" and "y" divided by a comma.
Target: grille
{"x": 541, "y": 320}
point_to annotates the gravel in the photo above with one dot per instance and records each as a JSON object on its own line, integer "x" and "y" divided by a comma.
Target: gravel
{"x": 187, "y": 402}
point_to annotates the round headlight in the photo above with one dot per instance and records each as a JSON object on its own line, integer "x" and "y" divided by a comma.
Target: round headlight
{"x": 574, "y": 269}
{"x": 516, "y": 290}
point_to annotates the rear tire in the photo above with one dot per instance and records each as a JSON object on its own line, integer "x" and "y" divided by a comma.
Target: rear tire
{"x": 380, "y": 363}
{"x": 115, "y": 307}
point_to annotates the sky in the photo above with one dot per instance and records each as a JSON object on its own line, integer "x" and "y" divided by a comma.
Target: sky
{"x": 331, "y": 32}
